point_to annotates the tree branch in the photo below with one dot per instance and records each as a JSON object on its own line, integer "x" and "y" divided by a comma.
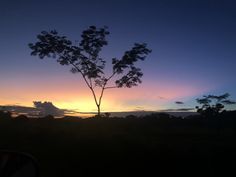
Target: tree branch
{"x": 113, "y": 74}
{"x": 111, "y": 87}
{"x": 91, "y": 84}
{"x": 100, "y": 98}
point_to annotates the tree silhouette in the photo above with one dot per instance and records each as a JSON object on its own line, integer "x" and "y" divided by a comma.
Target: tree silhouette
{"x": 212, "y": 105}
{"x": 84, "y": 59}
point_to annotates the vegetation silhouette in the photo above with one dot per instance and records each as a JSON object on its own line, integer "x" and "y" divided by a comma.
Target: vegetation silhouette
{"x": 5, "y": 114}
{"x": 152, "y": 145}
{"x": 213, "y": 105}
{"x": 85, "y": 60}
{"x": 22, "y": 118}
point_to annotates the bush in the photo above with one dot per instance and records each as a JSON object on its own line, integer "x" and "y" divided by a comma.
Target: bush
{"x": 5, "y": 114}
{"x": 22, "y": 117}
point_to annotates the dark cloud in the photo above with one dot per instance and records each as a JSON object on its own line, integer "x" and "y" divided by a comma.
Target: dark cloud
{"x": 179, "y": 102}
{"x": 40, "y": 109}
{"x": 47, "y": 108}
{"x": 178, "y": 110}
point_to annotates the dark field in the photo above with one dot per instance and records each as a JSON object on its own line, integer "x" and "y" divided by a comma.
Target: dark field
{"x": 155, "y": 145}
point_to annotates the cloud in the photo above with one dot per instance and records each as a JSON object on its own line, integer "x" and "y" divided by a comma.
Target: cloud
{"x": 47, "y": 108}
{"x": 139, "y": 108}
{"x": 40, "y": 109}
{"x": 179, "y": 102}
{"x": 178, "y": 110}
{"x": 162, "y": 98}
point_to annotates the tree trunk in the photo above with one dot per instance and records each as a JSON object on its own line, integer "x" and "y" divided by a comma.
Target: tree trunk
{"x": 99, "y": 111}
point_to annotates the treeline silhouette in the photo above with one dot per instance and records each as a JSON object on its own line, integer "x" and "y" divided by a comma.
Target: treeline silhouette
{"x": 154, "y": 145}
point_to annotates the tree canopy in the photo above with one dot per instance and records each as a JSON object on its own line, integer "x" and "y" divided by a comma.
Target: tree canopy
{"x": 84, "y": 58}
{"x": 212, "y": 105}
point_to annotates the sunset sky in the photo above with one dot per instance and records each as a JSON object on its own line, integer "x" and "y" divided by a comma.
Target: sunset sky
{"x": 193, "y": 46}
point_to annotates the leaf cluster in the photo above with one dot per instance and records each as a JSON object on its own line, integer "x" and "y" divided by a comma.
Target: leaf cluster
{"x": 84, "y": 57}
{"x": 127, "y": 63}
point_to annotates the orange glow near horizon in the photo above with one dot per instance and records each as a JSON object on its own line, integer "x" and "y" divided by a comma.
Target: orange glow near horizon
{"x": 74, "y": 95}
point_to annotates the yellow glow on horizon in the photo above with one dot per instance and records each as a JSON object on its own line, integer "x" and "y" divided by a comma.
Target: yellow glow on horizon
{"x": 90, "y": 106}
{"x": 78, "y": 97}
{"x": 86, "y": 106}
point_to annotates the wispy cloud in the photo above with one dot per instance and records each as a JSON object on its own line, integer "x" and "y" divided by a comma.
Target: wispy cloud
{"x": 179, "y": 102}
{"x": 178, "y": 110}
{"x": 161, "y": 97}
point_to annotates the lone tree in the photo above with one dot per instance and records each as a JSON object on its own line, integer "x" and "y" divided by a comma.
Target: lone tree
{"x": 84, "y": 59}
{"x": 213, "y": 105}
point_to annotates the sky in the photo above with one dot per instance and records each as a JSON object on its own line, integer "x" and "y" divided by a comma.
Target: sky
{"x": 193, "y": 51}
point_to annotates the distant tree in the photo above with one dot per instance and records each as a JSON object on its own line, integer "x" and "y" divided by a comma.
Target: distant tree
{"x": 130, "y": 116}
{"x": 22, "y": 117}
{"x": 107, "y": 114}
{"x": 5, "y": 114}
{"x": 84, "y": 59}
{"x": 212, "y": 105}
{"x": 49, "y": 117}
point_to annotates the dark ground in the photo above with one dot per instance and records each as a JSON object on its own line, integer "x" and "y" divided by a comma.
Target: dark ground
{"x": 156, "y": 145}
